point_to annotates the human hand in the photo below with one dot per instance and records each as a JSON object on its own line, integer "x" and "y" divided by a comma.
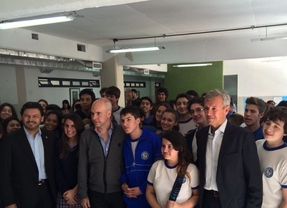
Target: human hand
{"x": 85, "y": 203}
{"x": 133, "y": 192}
{"x": 173, "y": 204}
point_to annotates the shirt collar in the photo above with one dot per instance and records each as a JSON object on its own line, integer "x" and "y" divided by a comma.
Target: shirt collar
{"x": 221, "y": 128}
{"x": 111, "y": 129}
{"x": 28, "y": 134}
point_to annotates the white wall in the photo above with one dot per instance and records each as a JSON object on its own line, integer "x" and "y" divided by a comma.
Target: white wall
{"x": 21, "y": 39}
{"x": 265, "y": 78}
{"x": 8, "y": 85}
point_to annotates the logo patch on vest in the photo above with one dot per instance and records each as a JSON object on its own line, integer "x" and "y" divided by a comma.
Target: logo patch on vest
{"x": 145, "y": 155}
{"x": 268, "y": 172}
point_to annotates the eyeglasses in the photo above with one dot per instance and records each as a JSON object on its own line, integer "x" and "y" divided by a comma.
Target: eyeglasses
{"x": 197, "y": 110}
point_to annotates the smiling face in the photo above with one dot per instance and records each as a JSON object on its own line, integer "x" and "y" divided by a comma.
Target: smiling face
{"x": 51, "y": 122}
{"x": 31, "y": 119}
{"x": 197, "y": 113}
{"x": 114, "y": 100}
{"x": 146, "y": 106}
{"x": 13, "y": 125}
{"x": 215, "y": 111}
{"x": 159, "y": 112}
{"x": 168, "y": 121}
{"x": 69, "y": 129}
{"x": 168, "y": 152}
{"x": 181, "y": 105}
{"x": 6, "y": 113}
{"x": 273, "y": 132}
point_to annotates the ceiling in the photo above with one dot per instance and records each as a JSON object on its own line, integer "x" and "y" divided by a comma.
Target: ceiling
{"x": 101, "y": 21}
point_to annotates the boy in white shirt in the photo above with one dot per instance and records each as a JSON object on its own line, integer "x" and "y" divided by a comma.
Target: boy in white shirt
{"x": 272, "y": 154}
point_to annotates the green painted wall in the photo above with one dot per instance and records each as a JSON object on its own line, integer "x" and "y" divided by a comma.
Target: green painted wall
{"x": 201, "y": 79}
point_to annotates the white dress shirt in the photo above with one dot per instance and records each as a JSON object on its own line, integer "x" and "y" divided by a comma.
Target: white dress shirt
{"x": 212, "y": 153}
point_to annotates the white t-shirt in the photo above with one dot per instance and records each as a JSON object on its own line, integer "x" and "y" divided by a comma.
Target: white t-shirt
{"x": 162, "y": 177}
{"x": 273, "y": 164}
{"x": 117, "y": 115}
{"x": 186, "y": 126}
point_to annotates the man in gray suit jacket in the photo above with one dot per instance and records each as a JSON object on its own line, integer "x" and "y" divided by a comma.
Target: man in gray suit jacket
{"x": 27, "y": 163}
{"x": 227, "y": 159}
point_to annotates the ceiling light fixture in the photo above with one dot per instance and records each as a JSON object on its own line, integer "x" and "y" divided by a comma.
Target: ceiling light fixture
{"x": 192, "y": 65}
{"x": 126, "y": 50}
{"x": 33, "y": 22}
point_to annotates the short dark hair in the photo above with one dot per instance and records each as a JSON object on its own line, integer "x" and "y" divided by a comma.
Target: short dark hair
{"x": 55, "y": 112}
{"x": 103, "y": 90}
{"x": 258, "y": 102}
{"x": 134, "y": 90}
{"x": 113, "y": 90}
{"x": 32, "y": 105}
{"x": 278, "y": 113}
{"x": 182, "y": 95}
{"x": 283, "y": 103}
{"x": 192, "y": 92}
{"x": 42, "y": 100}
{"x": 133, "y": 110}
{"x": 53, "y": 107}
{"x": 198, "y": 100}
{"x": 162, "y": 89}
{"x": 236, "y": 119}
{"x": 88, "y": 92}
{"x": 147, "y": 98}
{"x": 270, "y": 101}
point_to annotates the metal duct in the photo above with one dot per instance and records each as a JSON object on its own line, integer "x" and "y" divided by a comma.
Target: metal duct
{"x": 13, "y": 57}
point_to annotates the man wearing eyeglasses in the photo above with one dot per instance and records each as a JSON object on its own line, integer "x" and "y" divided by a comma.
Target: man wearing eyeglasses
{"x": 196, "y": 110}
{"x": 227, "y": 159}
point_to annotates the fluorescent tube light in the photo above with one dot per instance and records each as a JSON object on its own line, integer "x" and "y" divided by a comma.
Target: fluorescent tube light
{"x": 192, "y": 65}
{"x": 124, "y": 50}
{"x": 33, "y": 22}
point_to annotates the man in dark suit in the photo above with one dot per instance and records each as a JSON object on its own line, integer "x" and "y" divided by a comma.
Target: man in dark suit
{"x": 27, "y": 163}
{"x": 227, "y": 159}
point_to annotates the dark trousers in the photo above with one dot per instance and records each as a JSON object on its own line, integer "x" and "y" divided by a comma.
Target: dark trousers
{"x": 111, "y": 200}
{"x": 43, "y": 198}
{"x": 210, "y": 200}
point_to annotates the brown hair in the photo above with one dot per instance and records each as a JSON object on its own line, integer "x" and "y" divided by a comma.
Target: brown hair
{"x": 79, "y": 126}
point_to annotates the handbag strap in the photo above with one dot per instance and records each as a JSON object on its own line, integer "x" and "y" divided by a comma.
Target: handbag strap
{"x": 176, "y": 188}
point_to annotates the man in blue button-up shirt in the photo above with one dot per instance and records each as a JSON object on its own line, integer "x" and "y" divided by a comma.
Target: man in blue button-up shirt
{"x": 27, "y": 165}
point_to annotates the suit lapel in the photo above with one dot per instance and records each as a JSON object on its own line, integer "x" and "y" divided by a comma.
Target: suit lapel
{"x": 227, "y": 138}
{"x": 45, "y": 146}
{"x": 23, "y": 140}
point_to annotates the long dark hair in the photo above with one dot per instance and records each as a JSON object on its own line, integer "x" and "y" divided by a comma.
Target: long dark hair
{"x": 184, "y": 156}
{"x": 79, "y": 126}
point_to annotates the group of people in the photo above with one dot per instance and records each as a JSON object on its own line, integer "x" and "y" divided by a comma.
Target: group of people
{"x": 184, "y": 153}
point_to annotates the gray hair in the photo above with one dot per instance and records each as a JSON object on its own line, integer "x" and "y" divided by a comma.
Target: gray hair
{"x": 219, "y": 92}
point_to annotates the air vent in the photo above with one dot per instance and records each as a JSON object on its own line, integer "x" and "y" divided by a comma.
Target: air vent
{"x": 97, "y": 65}
{"x": 81, "y": 47}
{"x": 35, "y": 36}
